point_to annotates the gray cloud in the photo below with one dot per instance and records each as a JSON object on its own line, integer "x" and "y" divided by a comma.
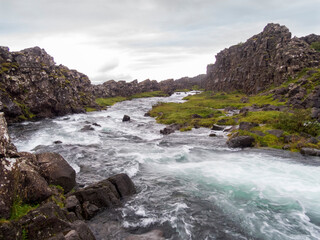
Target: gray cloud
{"x": 152, "y": 31}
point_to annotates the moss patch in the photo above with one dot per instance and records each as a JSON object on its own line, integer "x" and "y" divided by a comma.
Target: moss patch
{"x": 20, "y": 209}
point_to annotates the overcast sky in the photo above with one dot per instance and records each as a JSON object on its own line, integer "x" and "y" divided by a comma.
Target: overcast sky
{"x": 140, "y": 39}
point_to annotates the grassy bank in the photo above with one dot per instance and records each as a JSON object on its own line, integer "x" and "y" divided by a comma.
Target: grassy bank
{"x": 294, "y": 128}
{"x": 106, "y": 102}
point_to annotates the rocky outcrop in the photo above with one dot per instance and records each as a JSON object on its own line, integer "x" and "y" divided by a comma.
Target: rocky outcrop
{"x": 125, "y": 89}
{"x": 268, "y": 58}
{"x": 40, "y": 182}
{"x": 33, "y": 86}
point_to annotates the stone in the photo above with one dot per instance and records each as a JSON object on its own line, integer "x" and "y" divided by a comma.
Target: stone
{"x": 276, "y": 132}
{"x": 310, "y": 151}
{"x": 123, "y": 184}
{"x": 152, "y": 235}
{"x": 313, "y": 140}
{"x": 89, "y": 210}
{"x": 170, "y": 129}
{"x": 6, "y": 147}
{"x": 125, "y": 118}
{"x": 83, "y": 230}
{"x": 57, "y": 142}
{"x": 212, "y": 135}
{"x": 71, "y": 203}
{"x": 217, "y": 127}
{"x": 87, "y": 128}
{"x": 241, "y": 142}
{"x": 56, "y": 170}
{"x": 96, "y": 124}
{"x": 286, "y": 147}
{"x": 247, "y": 125}
{"x": 102, "y": 194}
{"x": 72, "y": 235}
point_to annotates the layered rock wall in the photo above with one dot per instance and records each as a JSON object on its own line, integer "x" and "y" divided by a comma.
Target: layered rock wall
{"x": 268, "y": 58}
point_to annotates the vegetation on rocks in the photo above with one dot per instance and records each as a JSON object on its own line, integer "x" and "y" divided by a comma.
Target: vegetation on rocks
{"x": 105, "y": 102}
{"x": 281, "y": 121}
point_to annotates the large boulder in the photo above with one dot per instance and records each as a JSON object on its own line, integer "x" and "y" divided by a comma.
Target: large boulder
{"x": 241, "y": 142}
{"x": 6, "y": 147}
{"x": 56, "y": 170}
{"x": 247, "y": 125}
{"x": 123, "y": 184}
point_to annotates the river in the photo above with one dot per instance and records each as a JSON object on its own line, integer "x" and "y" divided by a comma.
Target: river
{"x": 189, "y": 185}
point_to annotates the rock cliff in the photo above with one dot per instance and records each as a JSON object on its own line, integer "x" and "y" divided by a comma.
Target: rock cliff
{"x": 268, "y": 58}
{"x": 33, "y": 86}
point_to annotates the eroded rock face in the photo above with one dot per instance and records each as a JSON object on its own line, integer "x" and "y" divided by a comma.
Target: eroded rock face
{"x": 32, "y": 86}
{"x": 267, "y": 58}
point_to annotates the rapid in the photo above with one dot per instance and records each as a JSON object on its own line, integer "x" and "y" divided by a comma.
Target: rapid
{"x": 189, "y": 185}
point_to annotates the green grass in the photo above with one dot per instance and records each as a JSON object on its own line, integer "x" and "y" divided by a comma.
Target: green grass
{"x": 315, "y": 46}
{"x": 106, "y": 102}
{"x": 148, "y": 94}
{"x": 90, "y": 109}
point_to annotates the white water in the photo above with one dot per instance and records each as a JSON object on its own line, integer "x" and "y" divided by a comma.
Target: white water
{"x": 189, "y": 185}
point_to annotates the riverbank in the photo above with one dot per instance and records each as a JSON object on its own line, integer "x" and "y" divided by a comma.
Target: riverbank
{"x": 283, "y": 117}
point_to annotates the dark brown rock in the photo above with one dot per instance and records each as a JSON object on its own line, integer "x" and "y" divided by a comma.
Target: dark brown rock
{"x": 170, "y": 129}
{"x": 123, "y": 184}
{"x": 241, "y": 142}
{"x": 56, "y": 170}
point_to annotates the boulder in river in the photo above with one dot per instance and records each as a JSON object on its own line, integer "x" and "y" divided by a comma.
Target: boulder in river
{"x": 217, "y": 127}
{"x": 126, "y": 118}
{"x": 241, "y": 142}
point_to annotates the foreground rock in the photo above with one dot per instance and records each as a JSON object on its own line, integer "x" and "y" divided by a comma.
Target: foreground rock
{"x": 170, "y": 129}
{"x": 241, "y": 142}
{"x": 41, "y": 181}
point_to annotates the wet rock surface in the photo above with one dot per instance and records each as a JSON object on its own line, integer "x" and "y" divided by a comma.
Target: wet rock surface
{"x": 41, "y": 181}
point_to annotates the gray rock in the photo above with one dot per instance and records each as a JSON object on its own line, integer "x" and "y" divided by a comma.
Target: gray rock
{"x": 310, "y": 151}
{"x": 276, "y": 132}
{"x": 56, "y": 170}
{"x": 241, "y": 142}
{"x": 123, "y": 184}
{"x": 87, "y": 128}
{"x": 217, "y": 127}
{"x": 247, "y": 125}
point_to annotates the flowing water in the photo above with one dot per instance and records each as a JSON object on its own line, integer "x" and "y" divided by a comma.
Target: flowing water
{"x": 190, "y": 185}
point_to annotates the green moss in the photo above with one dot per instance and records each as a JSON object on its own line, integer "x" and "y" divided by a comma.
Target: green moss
{"x": 182, "y": 90}
{"x": 20, "y": 209}
{"x": 90, "y": 109}
{"x": 260, "y": 117}
{"x": 27, "y": 114}
{"x": 24, "y": 234}
{"x": 184, "y": 129}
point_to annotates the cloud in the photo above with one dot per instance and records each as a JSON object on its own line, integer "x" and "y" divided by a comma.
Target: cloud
{"x": 145, "y": 37}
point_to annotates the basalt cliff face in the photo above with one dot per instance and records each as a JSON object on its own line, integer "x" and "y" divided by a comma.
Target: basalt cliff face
{"x": 33, "y": 86}
{"x": 268, "y": 58}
